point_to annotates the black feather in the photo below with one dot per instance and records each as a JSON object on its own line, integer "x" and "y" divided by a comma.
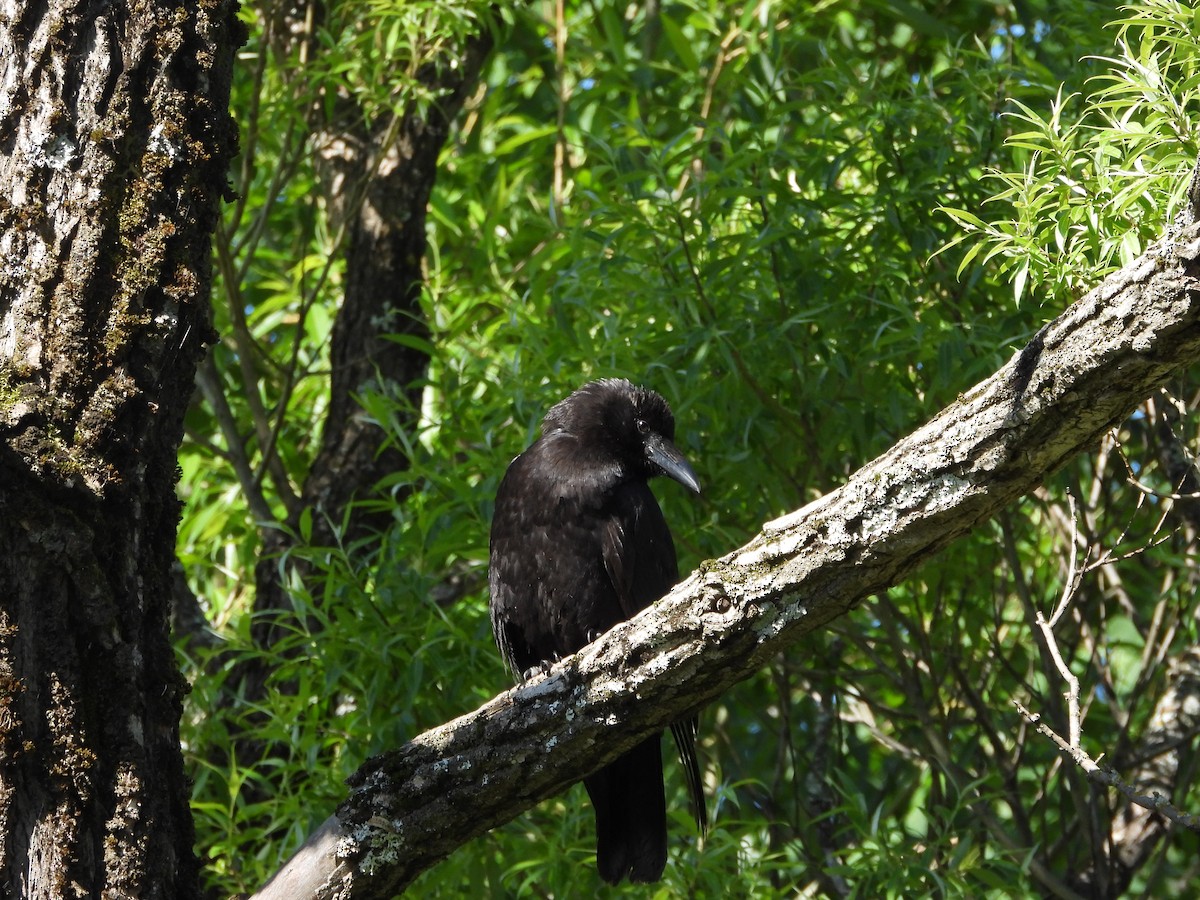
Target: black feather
{"x": 579, "y": 544}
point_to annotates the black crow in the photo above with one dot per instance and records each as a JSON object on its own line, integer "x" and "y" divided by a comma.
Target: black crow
{"x": 579, "y": 544}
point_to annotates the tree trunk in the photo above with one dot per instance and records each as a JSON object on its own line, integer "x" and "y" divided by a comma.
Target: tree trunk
{"x": 377, "y": 178}
{"x": 115, "y": 140}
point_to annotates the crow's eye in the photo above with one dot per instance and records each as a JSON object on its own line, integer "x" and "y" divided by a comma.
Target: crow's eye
{"x": 642, "y": 427}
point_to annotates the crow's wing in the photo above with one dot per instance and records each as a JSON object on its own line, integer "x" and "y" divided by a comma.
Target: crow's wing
{"x": 639, "y": 554}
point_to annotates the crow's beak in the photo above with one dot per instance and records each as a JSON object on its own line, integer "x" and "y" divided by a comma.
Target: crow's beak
{"x": 664, "y": 454}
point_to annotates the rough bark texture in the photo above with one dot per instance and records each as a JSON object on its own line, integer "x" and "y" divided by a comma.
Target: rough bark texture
{"x": 1082, "y": 374}
{"x": 114, "y": 143}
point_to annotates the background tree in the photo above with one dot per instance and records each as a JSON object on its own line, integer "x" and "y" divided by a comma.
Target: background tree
{"x": 777, "y": 216}
{"x": 115, "y": 140}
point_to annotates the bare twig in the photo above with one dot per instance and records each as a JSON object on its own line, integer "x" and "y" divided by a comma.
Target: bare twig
{"x": 1155, "y": 802}
{"x": 1046, "y": 627}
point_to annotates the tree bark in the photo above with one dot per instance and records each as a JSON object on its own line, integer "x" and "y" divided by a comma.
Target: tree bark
{"x": 1081, "y": 375}
{"x": 115, "y": 139}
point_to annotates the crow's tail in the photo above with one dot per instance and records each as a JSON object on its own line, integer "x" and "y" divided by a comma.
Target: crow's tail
{"x": 631, "y": 815}
{"x": 685, "y": 740}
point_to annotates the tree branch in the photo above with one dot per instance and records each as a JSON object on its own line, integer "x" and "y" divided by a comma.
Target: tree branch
{"x": 1153, "y": 802}
{"x": 1081, "y": 375}
{"x": 1138, "y": 828}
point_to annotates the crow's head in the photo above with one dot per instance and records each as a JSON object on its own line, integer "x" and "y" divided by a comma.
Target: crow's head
{"x": 616, "y": 422}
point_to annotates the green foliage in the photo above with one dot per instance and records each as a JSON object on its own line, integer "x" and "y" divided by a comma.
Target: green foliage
{"x": 738, "y": 205}
{"x": 1092, "y": 179}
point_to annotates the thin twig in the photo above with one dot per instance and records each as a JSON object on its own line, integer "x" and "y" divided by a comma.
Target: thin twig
{"x": 1155, "y": 802}
{"x": 1047, "y": 629}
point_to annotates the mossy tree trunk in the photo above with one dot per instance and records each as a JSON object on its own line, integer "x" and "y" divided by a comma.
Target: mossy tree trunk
{"x": 114, "y": 143}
